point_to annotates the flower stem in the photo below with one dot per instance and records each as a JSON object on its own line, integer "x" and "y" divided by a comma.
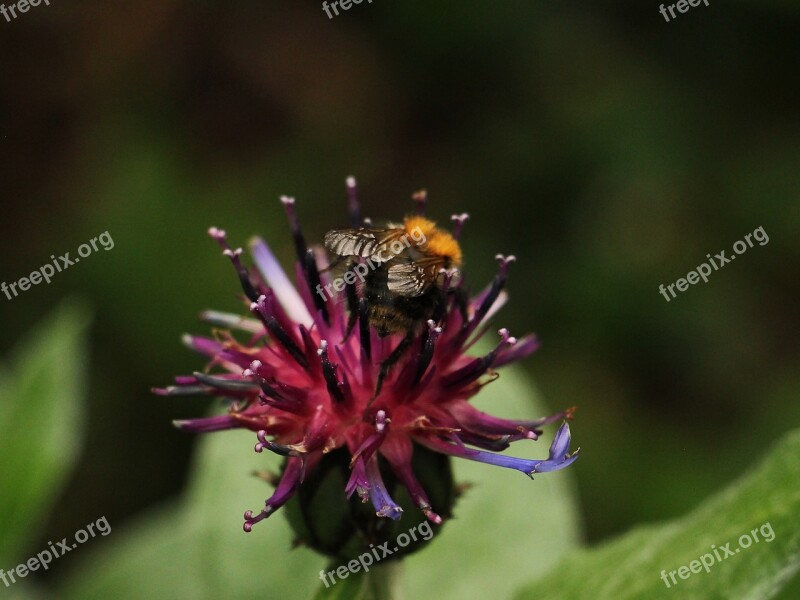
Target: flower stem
{"x": 383, "y": 582}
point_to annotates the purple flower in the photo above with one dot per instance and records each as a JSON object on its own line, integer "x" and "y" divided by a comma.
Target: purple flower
{"x": 304, "y": 380}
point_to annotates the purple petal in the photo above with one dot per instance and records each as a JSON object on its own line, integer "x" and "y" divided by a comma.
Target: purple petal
{"x": 209, "y": 424}
{"x": 276, "y": 278}
{"x": 383, "y": 503}
{"x": 290, "y": 481}
{"x": 202, "y": 345}
{"x": 560, "y": 445}
{"x": 232, "y": 321}
{"x": 559, "y": 458}
{"x": 522, "y": 349}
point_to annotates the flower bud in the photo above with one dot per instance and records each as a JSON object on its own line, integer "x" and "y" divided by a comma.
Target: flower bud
{"x": 342, "y": 528}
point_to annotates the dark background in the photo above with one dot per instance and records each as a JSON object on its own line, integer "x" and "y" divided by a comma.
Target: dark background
{"x": 607, "y": 149}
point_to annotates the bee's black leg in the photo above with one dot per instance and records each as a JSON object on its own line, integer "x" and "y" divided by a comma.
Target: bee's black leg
{"x": 439, "y": 306}
{"x": 352, "y": 307}
{"x": 462, "y": 301}
{"x": 332, "y": 265}
{"x": 390, "y": 361}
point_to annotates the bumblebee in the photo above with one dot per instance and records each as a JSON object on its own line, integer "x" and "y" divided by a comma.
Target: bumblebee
{"x": 400, "y": 268}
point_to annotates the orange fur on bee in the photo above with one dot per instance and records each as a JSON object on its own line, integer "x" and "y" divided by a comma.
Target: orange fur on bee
{"x": 438, "y": 242}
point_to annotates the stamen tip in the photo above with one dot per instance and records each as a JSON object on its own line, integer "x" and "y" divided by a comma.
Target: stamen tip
{"x": 505, "y": 260}
{"x": 433, "y": 517}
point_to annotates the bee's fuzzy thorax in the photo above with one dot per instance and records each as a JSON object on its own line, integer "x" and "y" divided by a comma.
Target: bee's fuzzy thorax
{"x": 437, "y": 241}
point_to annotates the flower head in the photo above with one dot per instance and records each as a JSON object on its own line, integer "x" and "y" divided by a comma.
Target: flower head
{"x": 315, "y": 377}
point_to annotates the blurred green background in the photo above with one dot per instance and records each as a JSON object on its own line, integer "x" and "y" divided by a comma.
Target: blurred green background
{"x": 608, "y": 150}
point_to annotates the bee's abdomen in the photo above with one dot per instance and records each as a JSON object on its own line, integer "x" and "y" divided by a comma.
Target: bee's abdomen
{"x": 388, "y": 320}
{"x": 392, "y": 313}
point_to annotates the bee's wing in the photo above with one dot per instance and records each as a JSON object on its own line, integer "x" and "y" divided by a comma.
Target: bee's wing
{"x": 413, "y": 278}
{"x": 363, "y": 242}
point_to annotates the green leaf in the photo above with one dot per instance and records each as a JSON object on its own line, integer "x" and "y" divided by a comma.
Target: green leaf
{"x": 25, "y": 590}
{"x": 198, "y": 550}
{"x": 631, "y": 566}
{"x": 42, "y": 415}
